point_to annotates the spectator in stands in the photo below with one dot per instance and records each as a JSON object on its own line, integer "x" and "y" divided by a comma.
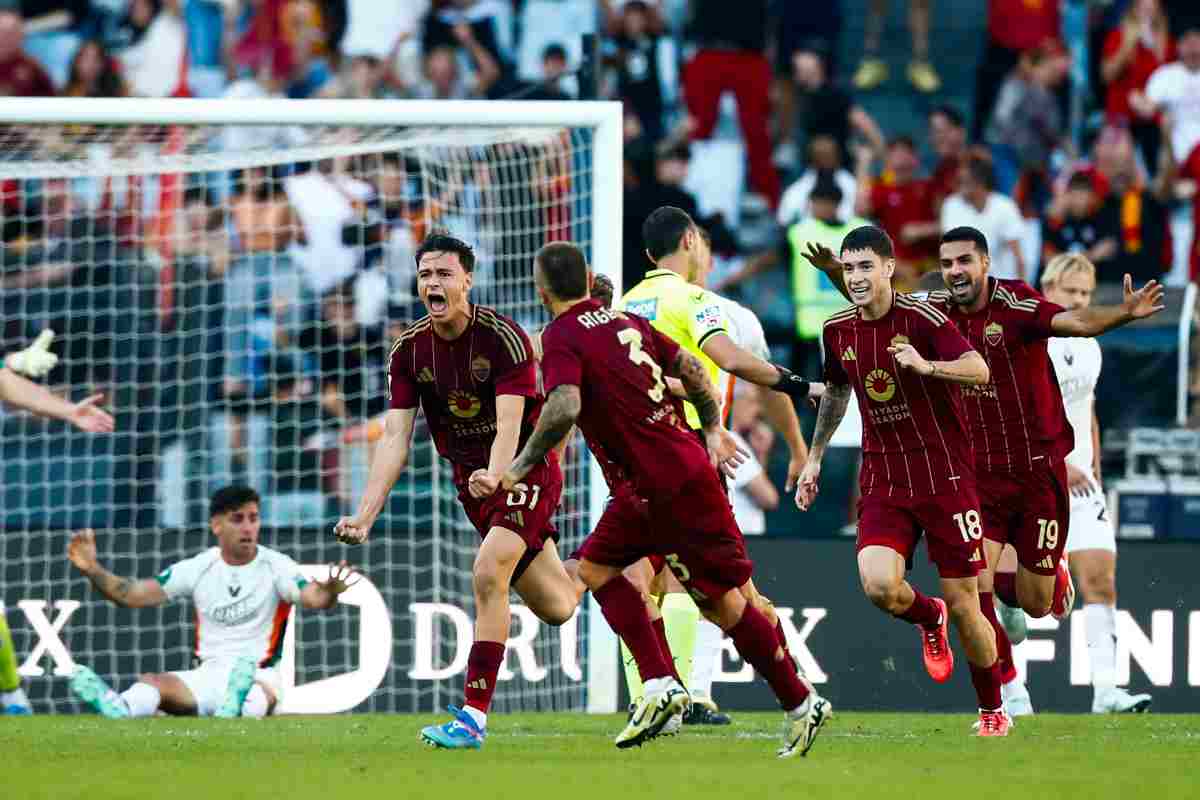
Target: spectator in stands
{"x": 902, "y": 204}
{"x": 823, "y": 108}
{"x": 473, "y": 27}
{"x": 1026, "y": 124}
{"x": 980, "y": 206}
{"x": 635, "y": 27}
{"x": 268, "y": 80}
{"x": 799, "y": 26}
{"x": 1132, "y": 52}
{"x": 948, "y": 138}
{"x": 872, "y": 71}
{"x": 1083, "y": 228}
{"x": 1173, "y": 89}
{"x": 325, "y": 200}
{"x": 732, "y": 40}
{"x": 824, "y": 161}
{"x": 554, "y": 70}
{"x": 94, "y": 73}
{"x": 155, "y": 63}
{"x": 442, "y": 80}
{"x": 1013, "y": 27}
{"x": 363, "y": 77}
{"x": 751, "y": 492}
{"x": 20, "y": 74}
{"x": 298, "y": 441}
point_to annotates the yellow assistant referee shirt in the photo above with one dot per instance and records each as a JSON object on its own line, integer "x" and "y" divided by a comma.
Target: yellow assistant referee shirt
{"x": 684, "y": 313}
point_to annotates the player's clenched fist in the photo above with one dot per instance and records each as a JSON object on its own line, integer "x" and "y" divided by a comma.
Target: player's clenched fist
{"x": 81, "y": 551}
{"x": 806, "y": 489}
{"x": 353, "y": 530}
{"x": 482, "y": 484}
{"x": 908, "y": 358}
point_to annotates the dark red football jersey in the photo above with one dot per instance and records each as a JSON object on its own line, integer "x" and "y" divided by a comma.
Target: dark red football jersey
{"x": 915, "y": 439}
{"x": 456, "y": 383}
{"x": 617, "y": 361}
{"x": 1018, "y": 418}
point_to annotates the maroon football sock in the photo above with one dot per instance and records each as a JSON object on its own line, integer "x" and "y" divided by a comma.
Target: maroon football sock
{"x": 660, "y": 630}
{"x": 1004, "y": 585}
{"x": 625, "y": 611}
{"x": 782, "y": 637}
{"x": 923, "y": 611}
{"x": 1003, "y": 645}
{"x": 758, "y": 643}
{"x": 482, "y": 666}
{"x": 987, "y": 685}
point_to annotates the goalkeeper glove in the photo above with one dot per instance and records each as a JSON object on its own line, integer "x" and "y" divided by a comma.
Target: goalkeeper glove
{"x": 791, "y": 384}
{"x": 36, "y": 360}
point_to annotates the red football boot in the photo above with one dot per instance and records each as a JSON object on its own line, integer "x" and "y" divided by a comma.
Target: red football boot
{"x": 993, "y": 723}
{"x": 1064, "y": 591}
{"x": 935, "y": 644}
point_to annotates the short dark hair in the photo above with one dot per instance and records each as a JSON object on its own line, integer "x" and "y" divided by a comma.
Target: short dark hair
{"x": 602, "y": 289}
{"x": 902, "y": 140}
{"x": 663, "y": 230}
{"x": 564, "y": 269}
{"x": 870, "y": 237}
{"x": 230, "y": 498}
{"x": 981, "y": 170}
{"x": 826, "y": 188}
{"x": 951, "y": 113}
{"x": 443, "y": 242}
{"x": 965, "y": 233}
{"x": 554, "y": 50}
{"x": 1080, "y": 180}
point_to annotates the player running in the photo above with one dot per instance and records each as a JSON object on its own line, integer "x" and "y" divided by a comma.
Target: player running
{"x": 471, "y": 370}
{"x": 916, "y": 475}
{"x": 1069, "y": 280}
{"x": 243, "y": 594}
{"x": 1019, "y": 430}
{"x": 606, "y": 371}
{"x": 36, "y": 361}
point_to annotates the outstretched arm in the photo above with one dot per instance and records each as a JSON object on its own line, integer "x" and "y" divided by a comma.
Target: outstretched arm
{"x": 324, "y": 594}
{"x": 739, "y": 361}
{"x": 26, "y": 394}
{"x": 125, "y": 592}
{"x": 558, "y": 416}
{"x": 822, "y": 258}
{"x": 969, "y": 368}
{"x": 1095, "y": 320}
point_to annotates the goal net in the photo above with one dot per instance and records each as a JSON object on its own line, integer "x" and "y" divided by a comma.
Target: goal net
{"x": 230, "y": 275}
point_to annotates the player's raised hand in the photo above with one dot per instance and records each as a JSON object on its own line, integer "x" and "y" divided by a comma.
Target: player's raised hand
{"x": 816, "y": 390}
{"x": 807, "y": 488}
{"x": 353, "y": 530}
{"x": 1145, "y": 301}
{"x": 341, "y": 577}
{"x": 907, "y": 357}
{"x": 724, "y": 452}
{"x": 81, "y": 551}
{"x": 482, "y": 484}
{"x": 36, "y": 360}
{"x": 88, "y": 416}
{"x": 821, "y": 257}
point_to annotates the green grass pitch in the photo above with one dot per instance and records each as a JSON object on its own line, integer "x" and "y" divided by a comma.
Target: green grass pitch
{"x": 571, "y": 757}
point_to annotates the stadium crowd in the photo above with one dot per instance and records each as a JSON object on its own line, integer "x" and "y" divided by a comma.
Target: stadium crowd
{"x": 1074, "y": 137}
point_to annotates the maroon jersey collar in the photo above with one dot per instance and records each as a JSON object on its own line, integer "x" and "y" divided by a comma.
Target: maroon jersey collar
{"x": 470, "y": 324}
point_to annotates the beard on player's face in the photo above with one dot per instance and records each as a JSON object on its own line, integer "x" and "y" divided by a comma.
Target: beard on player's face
{"x": 964, "y": 271}
{"x": 237, "y": 531}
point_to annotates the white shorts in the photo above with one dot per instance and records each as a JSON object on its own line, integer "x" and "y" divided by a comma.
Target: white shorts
{"x": 1091, "y": 526}
{"x": 208, "y": 681}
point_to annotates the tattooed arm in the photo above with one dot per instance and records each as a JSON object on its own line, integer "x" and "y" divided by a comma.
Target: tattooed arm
{"x": 124, "y": 592}
{"x": 698, "y": 388}
{"x": 833, "y": 408}
{"x": 556, "y": 420}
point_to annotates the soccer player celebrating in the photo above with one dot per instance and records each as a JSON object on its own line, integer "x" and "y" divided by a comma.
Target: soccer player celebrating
{"x": 605, "y": 371}
{"x": 1069, "y": 280}
{"x": 472, "y": 372}
{"x": 916, "y": 475}
{"x": 36, "y": 361}
{"x": 243, "y": 594}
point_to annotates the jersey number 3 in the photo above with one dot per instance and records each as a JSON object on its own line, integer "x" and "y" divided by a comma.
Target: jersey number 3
{"x": 633, "y": 338}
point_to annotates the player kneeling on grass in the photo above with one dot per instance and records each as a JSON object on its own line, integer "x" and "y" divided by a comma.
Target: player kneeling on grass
{"x": 243, "y": 594}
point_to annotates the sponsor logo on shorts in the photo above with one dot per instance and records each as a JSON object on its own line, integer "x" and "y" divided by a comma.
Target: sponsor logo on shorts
{"x": 994, "y": 333}
{"x": 899, "y": 339}
{"x": 880, "y": 385}
{"x": 463, "y": 405}
{"x": 481, "y": 369}
{"x": 1046, "y": 563}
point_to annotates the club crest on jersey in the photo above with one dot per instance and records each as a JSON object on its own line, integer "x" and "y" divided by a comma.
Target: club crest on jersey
{"x": 994, "y": 333}
{"x": 880, "y": 385}
{"x": 463, "y": 405}
{"x": 899, "y": 339}
{"x": 481, "y": 369}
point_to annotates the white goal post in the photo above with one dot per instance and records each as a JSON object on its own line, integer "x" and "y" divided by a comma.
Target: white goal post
{"x": 171, "y": 141}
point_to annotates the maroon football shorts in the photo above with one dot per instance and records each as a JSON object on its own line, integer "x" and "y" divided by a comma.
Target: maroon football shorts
{"x": 696, "y": 535}
{"x": 527, "y": 510}
{"x": 952, "y": 525}
{"x": 1029, "y": 510}
{"x": 623, "y": 536}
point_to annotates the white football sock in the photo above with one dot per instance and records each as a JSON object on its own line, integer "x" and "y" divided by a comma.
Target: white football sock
{"x": 704, "y": 661}
{"x": 477, "y": 715}
{"x": 14, "y": 698}
{"x": 141, "y": 699}
{"x": 256, "y": 703}
{"x": 655, "y": 685}
{"x": 1101, "y": 626}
